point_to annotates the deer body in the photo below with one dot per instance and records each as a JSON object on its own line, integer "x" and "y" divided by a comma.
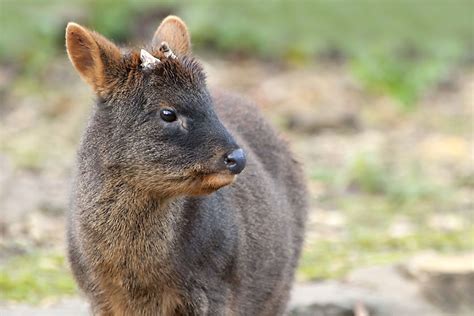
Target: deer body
{"x": 160, "y": 223}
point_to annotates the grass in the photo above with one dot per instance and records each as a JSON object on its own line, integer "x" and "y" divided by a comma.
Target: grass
{"x": 34, "y": 277}
{"x": 334, "y": 259}
{"x": 399, "y": 48}
{"x": 275, "y": 29}
{"x": 370, "y": 175}
{"x": 24, "y": 151}
{"x": 373, "y": 195}
{"x": 405, "y": 79}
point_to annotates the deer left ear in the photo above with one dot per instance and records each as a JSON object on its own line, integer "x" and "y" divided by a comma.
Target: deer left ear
{"x": 173, "y": 31}
{"x": 95, "y": 58}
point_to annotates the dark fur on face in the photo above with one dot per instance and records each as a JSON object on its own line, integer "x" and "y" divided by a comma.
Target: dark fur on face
{"x": 180, "y": 157}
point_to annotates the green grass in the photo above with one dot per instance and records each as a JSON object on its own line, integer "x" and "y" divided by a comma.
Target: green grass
{"x": 373, "y": 194}
{"x": 399, "y": 48}
{"x": 405, "y": 79}
{"x": 24, "y": 150}
{"x": 267, "y": 28}
{"x": 334, "y": 259}
{"x": 369, "y": 174}
{"x": 34, "y": 277}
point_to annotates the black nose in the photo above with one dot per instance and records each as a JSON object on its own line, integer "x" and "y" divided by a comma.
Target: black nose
{"x": 235, "y": 161}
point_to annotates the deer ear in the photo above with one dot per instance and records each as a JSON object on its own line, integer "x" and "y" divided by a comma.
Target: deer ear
{"x": 95, "y": 58}
{"x": 174, "y": 31}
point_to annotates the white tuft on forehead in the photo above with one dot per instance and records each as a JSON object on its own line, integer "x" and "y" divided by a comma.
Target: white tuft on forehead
{"x": 166, "y": 50}
{"x": 148, "y": 60}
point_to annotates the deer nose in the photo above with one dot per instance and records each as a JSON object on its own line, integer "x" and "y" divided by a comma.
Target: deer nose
{"x": 235, "y": 161}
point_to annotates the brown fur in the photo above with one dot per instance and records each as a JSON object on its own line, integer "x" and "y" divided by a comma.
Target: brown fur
{"x": 174, "y": 31}
{"x": 90, "y": 54}
{"x": 159, "y": 225}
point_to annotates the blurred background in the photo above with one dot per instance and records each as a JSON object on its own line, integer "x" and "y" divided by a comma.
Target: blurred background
{"x": 376, "y": 98}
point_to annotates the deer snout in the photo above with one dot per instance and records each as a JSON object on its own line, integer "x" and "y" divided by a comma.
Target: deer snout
{"x": 235, "y": 161}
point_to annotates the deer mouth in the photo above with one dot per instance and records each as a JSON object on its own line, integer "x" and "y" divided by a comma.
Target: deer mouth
{"x": 211, "y": 182}
{"x": 217, "y": 180}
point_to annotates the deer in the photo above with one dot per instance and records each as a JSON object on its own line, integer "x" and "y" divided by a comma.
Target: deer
{"x": 185, "y": 200}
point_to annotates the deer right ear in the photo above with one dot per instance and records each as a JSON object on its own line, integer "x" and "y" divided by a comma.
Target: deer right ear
{"x": 173, "y": 31}
{"x": 96, "y": 59}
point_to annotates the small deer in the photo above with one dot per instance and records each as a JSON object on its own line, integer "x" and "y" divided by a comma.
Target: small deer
{"x": 185, "y": 202}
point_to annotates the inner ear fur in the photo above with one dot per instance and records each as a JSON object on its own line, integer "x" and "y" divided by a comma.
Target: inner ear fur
{"x": 174, "y": 31}
{"x": 95, "y": 58}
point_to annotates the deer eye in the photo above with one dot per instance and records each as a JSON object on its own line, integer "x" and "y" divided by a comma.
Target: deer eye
{"x": 168, "y": 115}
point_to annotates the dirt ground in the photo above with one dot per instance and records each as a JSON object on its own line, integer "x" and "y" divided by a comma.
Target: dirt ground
{"x": 379, "y": 177}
